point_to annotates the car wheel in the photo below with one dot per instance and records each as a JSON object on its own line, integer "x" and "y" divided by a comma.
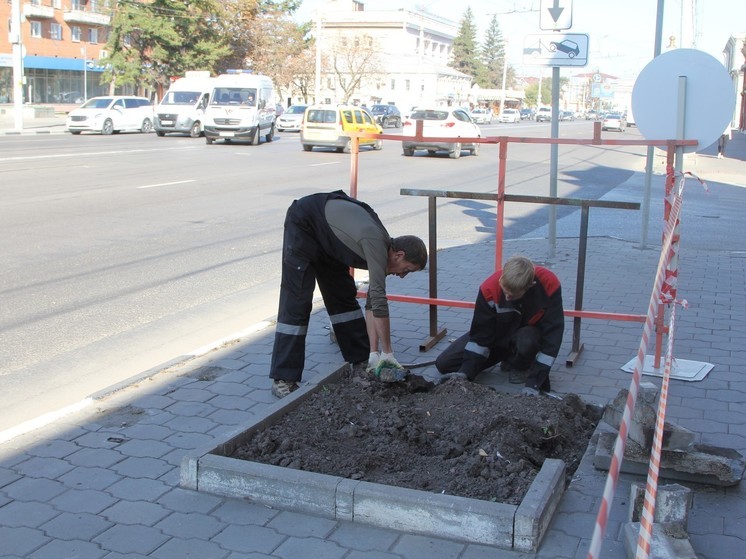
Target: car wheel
{"x": 209, "y": 141}
{"x": 255, "y": 137}
{"x": 384, "y": 122}
{"x": 195, "y": 131}
{"x": 455, "y": 153}
{"x": 432, "y": 151}
{"x": 347, "y": 148}
{"x": 409, "y": 152}
{"x": 160, "y": 133}
{"x": 475, "y": 149}
{"x": 306, "y": 147}
{"x": 271, "y": 134}
{"x": 108, "y": 127}
{"x": 378, "y": 146}
{"x": 74, "y": 132}
{"x": 147, "y": 126}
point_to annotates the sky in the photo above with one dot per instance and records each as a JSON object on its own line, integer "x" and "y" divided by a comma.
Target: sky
{"x": 621, "y": 33}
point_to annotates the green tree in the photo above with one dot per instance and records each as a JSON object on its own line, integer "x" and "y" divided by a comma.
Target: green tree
{"x": 493, "y": 57}
{"x": 466, "y": 55}
{"x": 151, "y": 42}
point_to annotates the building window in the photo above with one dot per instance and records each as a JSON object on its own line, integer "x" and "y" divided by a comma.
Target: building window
{"x": 55, "y": 31}
{"x": 57, "y": 4}
{"x": 93, "y": 35}
{"x": 393, "y": 85}
{"x": 78, "y": 4}
{"x": 406, "y": 85}
{"x": 75, "y": 33}
{"x": 36, "y": 29}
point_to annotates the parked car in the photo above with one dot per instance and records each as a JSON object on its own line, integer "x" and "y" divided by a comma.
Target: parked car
{"x": 544, "y": 114}
{"x": 441, "y": 122}
{"x": 527, "y": 114}
{"x": 386, "y": 115}
{"x": 566, "y": 115}
{"x": 510, "y": 115}
{"x": 330, "y": 126}
{"x": 482, "y": 116}
{"x": 279, "y": 110}
{"x": 111, "y": 115}
{"x": 591, "y": 115}
{"x": 614, "y": 121}
{"x": 69, "y": 97}
{"x": 291, "y": 119}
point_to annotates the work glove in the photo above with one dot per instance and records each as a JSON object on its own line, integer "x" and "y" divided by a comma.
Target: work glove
{"x": 373, "y": 360}
{"x": 389, "y": 369}
{"x": 538, "y": 377}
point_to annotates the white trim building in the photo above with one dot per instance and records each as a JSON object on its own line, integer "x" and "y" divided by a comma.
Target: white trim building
{"x": 414, "y": 50}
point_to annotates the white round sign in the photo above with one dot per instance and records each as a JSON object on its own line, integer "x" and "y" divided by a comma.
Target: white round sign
{"x": 709, "y": 99}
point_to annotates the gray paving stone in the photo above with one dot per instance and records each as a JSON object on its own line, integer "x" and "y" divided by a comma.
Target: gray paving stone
{"x": 181, "y": 548}
{"x": 21, "y": 541}
{"x": 93, "y": 457}
{"x": 135, "y": 512}
{"x": 83, "y": 501}
{"x": 190, "y": 525}
{"x": 138, "y": 489}
{"x": 37, "y": 467}
{"x": 250, "y": 539}
{"x": 28, "y": 489}
{"x": 183, "y": 500}
{"x": 75, "y": 526}
{"x": 131, "y": 539}
{"x": 90, "y": 478}
{"x": 18, "y": 513}
{"x": 235, "y": 511}
{"x": 132, "y": 467}
{"x": 53, "y": 449}
{"x": 144, "y": 448}
{"x": 309, "y": 547}
{"x": 301, "y": 525}
{"x": 57, "y": 549}
{"x": 362, "y": 537}
{"x": 422, "y": 547}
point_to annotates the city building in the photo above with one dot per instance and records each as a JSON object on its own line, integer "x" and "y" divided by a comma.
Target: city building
{"x": 63, "y": 49}
{"x": 409, "y": 58}
{"x": 734, "y": 54}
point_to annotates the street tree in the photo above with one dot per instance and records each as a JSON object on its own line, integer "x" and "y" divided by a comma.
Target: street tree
{"x": 493, "y": 57}
{"x": 352, "y": 60}
{"x": 466, "y": 54}
{"x": 151, "y": 42}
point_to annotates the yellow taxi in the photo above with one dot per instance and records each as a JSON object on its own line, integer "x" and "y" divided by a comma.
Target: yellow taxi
{"x": 330, "y": 126}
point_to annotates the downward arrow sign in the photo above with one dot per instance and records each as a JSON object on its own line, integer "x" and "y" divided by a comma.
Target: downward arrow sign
{"x": 555, "y": 11}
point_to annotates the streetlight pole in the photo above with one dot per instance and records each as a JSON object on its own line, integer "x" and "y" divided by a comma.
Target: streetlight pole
{"x": 84, "y": 52}
{"x": 505, "y": 74}
{"x": 16, "y": 38}
{"x": 317, "y": 84}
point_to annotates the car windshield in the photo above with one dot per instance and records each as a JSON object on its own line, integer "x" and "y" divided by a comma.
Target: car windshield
{"x": 378, "y": 109}
{"x": 296, "y": 110}
{"x": 97, "y": 103}
{"x": 180, "y": 98}
{"x": 613, "y": 116}
{"x": 429, "y": 115}
{"x": 234, "y": 96}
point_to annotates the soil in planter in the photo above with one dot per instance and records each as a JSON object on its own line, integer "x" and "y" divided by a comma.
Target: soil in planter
{"x": 457, "y": 438}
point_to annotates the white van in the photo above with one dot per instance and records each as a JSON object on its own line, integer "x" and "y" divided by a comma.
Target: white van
{"x": 182, "y": 109}
{"x": 242, "y": 107}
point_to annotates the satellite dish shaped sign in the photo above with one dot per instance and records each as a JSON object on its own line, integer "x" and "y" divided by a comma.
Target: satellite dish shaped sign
{"x": 709, "y": 103}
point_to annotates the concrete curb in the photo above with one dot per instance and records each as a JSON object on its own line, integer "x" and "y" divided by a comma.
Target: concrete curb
{"x": 522, "y": 527}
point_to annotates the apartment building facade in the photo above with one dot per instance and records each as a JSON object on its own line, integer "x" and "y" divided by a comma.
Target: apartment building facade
{"x": 413, "y": 51}
{"x": 63, "y": 49}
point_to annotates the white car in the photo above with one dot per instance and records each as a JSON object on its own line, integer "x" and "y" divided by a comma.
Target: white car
{"x": 291, "y": 119}
{"x": 441, "y": 122}
{"x": 482, "y": 116}
{"x": 510, "y": 115}
{"x": 112, "y": 114}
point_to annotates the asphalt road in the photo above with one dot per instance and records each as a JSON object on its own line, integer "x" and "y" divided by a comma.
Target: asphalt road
{"x": 123, "y": 252}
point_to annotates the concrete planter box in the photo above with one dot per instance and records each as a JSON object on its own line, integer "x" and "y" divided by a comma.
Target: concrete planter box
{"x": 520, "y": 527}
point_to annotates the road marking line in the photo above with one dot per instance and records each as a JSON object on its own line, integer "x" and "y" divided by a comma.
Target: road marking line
{"x": 322, "y": 164}
{"x": 166, "y": 184}
{"x": 79, "y": 154}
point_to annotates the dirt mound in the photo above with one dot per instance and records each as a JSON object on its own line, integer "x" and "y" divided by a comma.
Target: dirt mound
{"x": 458, "y": 438}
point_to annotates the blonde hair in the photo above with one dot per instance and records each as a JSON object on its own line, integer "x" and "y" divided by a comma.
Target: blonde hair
{"x": 518, "y": 274}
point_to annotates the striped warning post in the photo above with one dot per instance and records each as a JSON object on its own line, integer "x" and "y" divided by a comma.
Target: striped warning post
{"x": 647, "y": 519}
{"x": 616, "y": 461}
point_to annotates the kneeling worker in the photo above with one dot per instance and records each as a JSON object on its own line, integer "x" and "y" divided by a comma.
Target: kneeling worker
{"x": 518, "y": 322}
{"x": 325, "y": 235}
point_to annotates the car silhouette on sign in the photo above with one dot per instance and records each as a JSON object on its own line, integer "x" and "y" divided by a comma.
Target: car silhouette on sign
{"x": 567, "y": 46}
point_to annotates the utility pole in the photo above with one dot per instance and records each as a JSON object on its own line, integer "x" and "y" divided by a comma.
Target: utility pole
{"x": 16, "y": 39}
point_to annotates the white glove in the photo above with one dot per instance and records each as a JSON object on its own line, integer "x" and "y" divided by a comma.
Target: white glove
{"x": 389, "y": 358}
{"x": 373, "y": 360}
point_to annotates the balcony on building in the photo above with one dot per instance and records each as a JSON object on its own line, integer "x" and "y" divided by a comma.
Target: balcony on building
{"x": 36, "y": 10}
{"x": 90, "y": 12}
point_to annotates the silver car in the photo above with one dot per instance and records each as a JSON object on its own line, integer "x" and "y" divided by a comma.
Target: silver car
{"x": 291, "y": 119}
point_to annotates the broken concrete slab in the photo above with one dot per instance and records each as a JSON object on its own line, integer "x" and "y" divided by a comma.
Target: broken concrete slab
{"x": 662, "y": 545}
{"x": 700, "y": 464}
